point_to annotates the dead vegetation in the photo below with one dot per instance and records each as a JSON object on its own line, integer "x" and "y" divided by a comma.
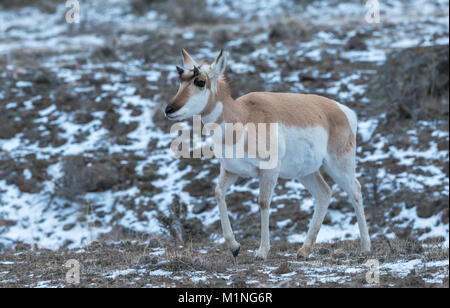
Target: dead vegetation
{"x": 414, "y": 83}
{"x": 155, "y": 262}
{"x": 45, "y": 5}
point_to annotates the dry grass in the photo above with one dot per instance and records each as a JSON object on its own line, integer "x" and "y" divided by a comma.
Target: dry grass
{"x": 45, "y": 5}
{"x": 160, "y": 263}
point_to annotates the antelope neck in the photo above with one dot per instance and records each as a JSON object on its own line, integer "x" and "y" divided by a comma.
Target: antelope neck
{"x": 222, "y": 108}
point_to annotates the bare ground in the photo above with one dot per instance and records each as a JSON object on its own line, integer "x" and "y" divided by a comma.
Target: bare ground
{"x": 156, "y": 263}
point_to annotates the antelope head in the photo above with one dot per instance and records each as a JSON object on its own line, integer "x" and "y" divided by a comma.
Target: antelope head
{"x": 198, "y": 85}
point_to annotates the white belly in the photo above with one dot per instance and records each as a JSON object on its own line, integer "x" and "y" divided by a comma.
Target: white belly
{"x": 305, "y": 151}
{"x": 301, "y": 151}
{"x": 245, "y": 167}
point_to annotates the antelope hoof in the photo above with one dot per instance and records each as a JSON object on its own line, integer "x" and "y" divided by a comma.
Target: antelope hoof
{"x": 236, "y": 251}
{"x": 261, "y": 255}
{"x": 304, "y": 252}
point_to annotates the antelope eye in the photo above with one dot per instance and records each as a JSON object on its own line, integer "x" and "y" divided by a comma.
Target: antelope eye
{"x": 199, "y": 83}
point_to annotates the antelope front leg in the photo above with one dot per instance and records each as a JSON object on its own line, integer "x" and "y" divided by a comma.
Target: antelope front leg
{"x": 226, "y": 179}
{"x": 268, "y": 180}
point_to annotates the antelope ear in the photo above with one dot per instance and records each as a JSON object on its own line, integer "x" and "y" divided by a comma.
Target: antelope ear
{"x": 188, "y": 62}
{"x": 220, "y": 64}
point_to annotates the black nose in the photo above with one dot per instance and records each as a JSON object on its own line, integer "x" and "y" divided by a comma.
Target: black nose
{"x": 170, "y": 109}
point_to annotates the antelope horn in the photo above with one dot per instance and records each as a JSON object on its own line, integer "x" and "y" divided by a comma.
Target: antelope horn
{"x": 180, "y": 70}
{"x": 196, "y": 71}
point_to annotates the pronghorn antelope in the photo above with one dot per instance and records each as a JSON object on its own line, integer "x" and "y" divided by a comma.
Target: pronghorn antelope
{"x": 313, "y": 132}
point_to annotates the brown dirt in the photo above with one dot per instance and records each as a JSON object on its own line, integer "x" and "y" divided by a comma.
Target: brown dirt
{"x": 155, "y": 262}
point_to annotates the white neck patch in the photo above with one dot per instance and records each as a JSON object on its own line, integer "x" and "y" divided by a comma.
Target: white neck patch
{"x": 214, "y": 115}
